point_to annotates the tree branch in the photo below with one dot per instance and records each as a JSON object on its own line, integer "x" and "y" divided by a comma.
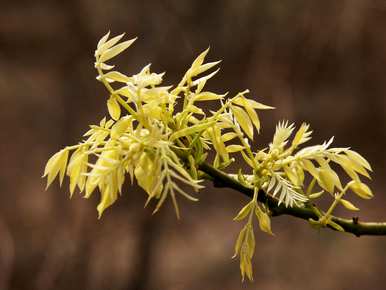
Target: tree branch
{"x": 353, "y": 226}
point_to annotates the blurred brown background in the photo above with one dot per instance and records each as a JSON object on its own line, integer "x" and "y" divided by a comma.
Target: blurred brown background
{"x": 319, "y": 61}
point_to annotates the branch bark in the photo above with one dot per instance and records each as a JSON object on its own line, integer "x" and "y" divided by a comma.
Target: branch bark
{"x": 353, "y": 226}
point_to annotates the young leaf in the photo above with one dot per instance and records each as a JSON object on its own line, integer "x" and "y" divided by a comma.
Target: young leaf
{"x": 106, "y": 45}
{"x": 264, "y": 221}
{"x": 244, "y": 121}
{"x": 103, "y": 39}
{"x": 302, "y": 135}
{"x": 191, "y": 130}
{"x": 116, "y": 76}
{"x": 243, "y": 213}
{"x": 356, "y": 157}
{"x": 119, "y": 128}
{"x": 56, "y": 164}
{"x": 348, "y": 204}
{"x": 244, "y": 102}
{"x": 234, "y": 148}
{"x": 206, "y": 66}
{"x": 208, "y": 96}
{"x": 228, "y": 136}
{"x": 194, "y": 69}
{"x": 114, "y": 108}
{"x": 239, "y": 242}
{"x": 361, "y": 189}
{"x": 204, "y": 78}
{"x": 328, "y": 179}
{"x": 115, "y": 50}
{"x": 282, "y": 133}
{"x": 335, "y": 226}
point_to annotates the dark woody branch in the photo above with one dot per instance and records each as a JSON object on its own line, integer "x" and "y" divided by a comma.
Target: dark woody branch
{"x": 354, "y": 226}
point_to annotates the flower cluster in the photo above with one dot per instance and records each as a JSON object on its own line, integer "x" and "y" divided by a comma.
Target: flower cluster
{"x": 160, "y": 145}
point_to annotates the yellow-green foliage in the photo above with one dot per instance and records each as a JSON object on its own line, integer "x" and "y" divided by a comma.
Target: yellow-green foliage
{"x": 147, "y": 139}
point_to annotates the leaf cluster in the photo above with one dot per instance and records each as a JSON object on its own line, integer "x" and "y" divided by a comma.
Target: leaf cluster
{"x": 147, "y": 139}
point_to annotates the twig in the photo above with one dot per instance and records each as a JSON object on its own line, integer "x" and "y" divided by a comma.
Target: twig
{"x": 353, "y": 226}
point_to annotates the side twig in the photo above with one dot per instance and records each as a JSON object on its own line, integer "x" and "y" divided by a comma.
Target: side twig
{"x": 353, "y": 226}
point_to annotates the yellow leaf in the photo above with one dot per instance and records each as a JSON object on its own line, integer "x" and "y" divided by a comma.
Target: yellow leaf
{"x": 302, "y": 135}
{"x": 348, "y": 205}
{"x": 264, "y": 221}
{"x": 254, "y": 117}
{"x": 193, "y": 120}
{"x": 207, "y": 66}
{"x": 76, "y": 168}
{"x": 351, "y": 167}
{"x": 328, "y": 179}
{"x": 282, "y": 133}
{"x": 218, "y": 144}
{"x": 104, "y": 66}
{"x": 194, "y": 109}
{"x": 234, "y": 148}
{"x": 259, "y": 106}
{"x": 63, "y": 164}
{"x": 228, "y": 136}
{"x": 191, "y": 130}
{"x": 361, "y": 189}
{"x": 56, "y": 164}
{"x": 243, "y": 119}
{"x": 347, "y": 165}
{"x": 244, "y": 102}
{"x": 247, "y": 159}
{"x": 126, "y": 91}
{"x": 239, "y": 241}
{"x": 198, "y": 62}
{"x": 147, "y": 173}
{"x": 208, "y": 96}
{"x": 103, "y": 39}
{"x": 335, "y": 226}
{"x": 91, "y": 184}
{"x": 291, "y": 174}
{"x": 310, "y": 167}
{"x": 250, "y": 240}
{"x": 106, "y": 45}
{"x": 316, "y": 195}
{"x": 116, "y": 76}
{"x": 252, "y": 103}
{"x": 115, "y": 50}
{"x": 244, "y": 212}
{"x": 356, "y": 157}
{"x": 100, "y": 171}
{"x": 205, "y": 78}
{"x": 107, "y": 199}
{"x": 114, "y": 108}
{"x": 153, "y": 110}
{"x": 119, "y": 128}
